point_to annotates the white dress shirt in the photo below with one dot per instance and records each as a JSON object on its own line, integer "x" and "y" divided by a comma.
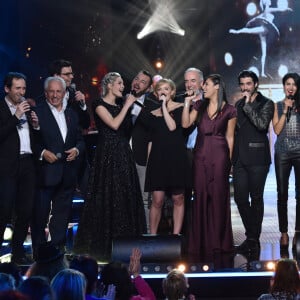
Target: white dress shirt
{"x": 23, "y": 130}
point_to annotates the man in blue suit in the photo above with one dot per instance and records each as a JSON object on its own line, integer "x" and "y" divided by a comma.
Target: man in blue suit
{"x": 59, "y": 145}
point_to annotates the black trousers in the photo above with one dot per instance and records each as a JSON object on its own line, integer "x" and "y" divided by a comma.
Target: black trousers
{"x": 283, "y": 166}
{"x": 17, "y": 195}
{"x": 52, "y": 207}
{"x": 249, "y": 183}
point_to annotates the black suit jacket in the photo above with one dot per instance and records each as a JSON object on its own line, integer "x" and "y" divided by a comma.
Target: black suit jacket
{"x": 251, "y": 143}
{"x": 83, "y": 115}
{"x": 9, "y": 141}
{"x": 50, "y": 139}
{"x": 141, "y": 135}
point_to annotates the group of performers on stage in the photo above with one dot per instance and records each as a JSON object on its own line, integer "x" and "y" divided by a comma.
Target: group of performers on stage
{"x": 150, "y": 142}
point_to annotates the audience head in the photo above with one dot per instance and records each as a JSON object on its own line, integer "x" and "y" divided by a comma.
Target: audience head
{"x": 37, "y": 288}
{"x": 159, "y": 87}
{"x": 69, "y": 284}
{"x": 193, "y": 79}
{"x": 175, "y": 285}
{"x": 117, "y": 274}
{"x": 13, "y": 295}
{"x": 48, "y": 261}
{"x": 141, "y": 83}
{"x": 63, "y": 69}
{"x": 108, "y": 81}
{"x": 286, "y": 278}
{"x": 12, "y": 269}
{"x": 89, "y": 267}
{"x": 15, "y": 86}
{"x": 7, "y": 282}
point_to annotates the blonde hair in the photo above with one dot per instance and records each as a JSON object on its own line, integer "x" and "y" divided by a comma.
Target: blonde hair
{"x": 168, "y": 81}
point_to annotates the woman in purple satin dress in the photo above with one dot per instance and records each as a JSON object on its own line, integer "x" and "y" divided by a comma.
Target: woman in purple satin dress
{"x": 210, "y": 228}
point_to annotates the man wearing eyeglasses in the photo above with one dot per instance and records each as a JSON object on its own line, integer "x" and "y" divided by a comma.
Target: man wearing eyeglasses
{"x": 74, "y": 99}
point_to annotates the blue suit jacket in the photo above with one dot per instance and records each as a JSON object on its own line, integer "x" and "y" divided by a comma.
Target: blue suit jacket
{"x": 49, "y": 138}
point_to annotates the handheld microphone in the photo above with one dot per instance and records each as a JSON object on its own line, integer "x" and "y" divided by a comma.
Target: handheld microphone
{"x": 162, "y": 95}
{"x": 73, "y": 87}
{"x": 133, "y": 93}
{"x": 27, "y": 113}
{"x": 184, "y": 94}
{"x": 289, "y": 110}
{"x": 58, "y": 155}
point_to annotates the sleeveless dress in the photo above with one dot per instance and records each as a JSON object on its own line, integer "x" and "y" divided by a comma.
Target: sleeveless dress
{"x": 114, "y": 205}
{"x": 211, "y": 230}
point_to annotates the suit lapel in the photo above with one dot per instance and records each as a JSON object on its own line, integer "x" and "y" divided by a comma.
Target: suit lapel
{"x": 52, "y": 121}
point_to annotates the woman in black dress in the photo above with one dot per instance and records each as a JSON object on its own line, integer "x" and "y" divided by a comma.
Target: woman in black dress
{"x": 114, "y": 205}
{"x": 168, "y": 168}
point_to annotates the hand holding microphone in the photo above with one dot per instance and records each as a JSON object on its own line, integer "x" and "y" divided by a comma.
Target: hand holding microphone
{"x": 289, "y": 109}
{"x": 133, "y": 93}
{"x": 79, "y": 96}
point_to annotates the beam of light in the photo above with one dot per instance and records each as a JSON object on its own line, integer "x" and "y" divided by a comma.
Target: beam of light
{"x": 161, "y": 19}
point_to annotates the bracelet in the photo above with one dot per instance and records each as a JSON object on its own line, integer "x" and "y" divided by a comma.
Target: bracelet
{"x": 186, "y": 104}
{"x": 284, "y": 113}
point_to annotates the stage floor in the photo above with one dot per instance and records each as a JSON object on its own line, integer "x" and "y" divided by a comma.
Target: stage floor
{"x": 233, "y": 276}
{"x": 270, "y": 231}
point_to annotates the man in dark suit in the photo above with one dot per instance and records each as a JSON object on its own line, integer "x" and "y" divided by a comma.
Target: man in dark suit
{"x": 140, "y": 86}
{"x": 251, "y": 157}
{"x": 75, "y": 100}
{"x": 18, "y": 174}
{"x": 59, "y": 145}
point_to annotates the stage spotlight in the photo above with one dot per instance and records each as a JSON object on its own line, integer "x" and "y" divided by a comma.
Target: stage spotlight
{"x": 262, "y": 266}
{"x": 181, "y": 32}
{"x": 8, "y": 234}
{"x": 251, "y": 9}
{"x": 181, "y": 268}
{"x": 162, "y": 19}
{"x": 282, "y": 70}
{"x": 158, "y": 64}
{"x": 205, "y": 268}
{"x": 270, "y": 266}
{"x": 228, "y": 59}
{"x": 94, "y": 81}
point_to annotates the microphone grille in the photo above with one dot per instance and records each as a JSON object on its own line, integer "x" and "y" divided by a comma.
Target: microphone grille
{"x": 73, "y": 86}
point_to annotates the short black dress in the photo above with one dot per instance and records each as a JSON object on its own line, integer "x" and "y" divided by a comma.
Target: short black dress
{"x": 168, "y": 168}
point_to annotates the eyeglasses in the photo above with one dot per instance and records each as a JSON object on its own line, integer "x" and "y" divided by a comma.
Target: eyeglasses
{"x": 67, "y": 74}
